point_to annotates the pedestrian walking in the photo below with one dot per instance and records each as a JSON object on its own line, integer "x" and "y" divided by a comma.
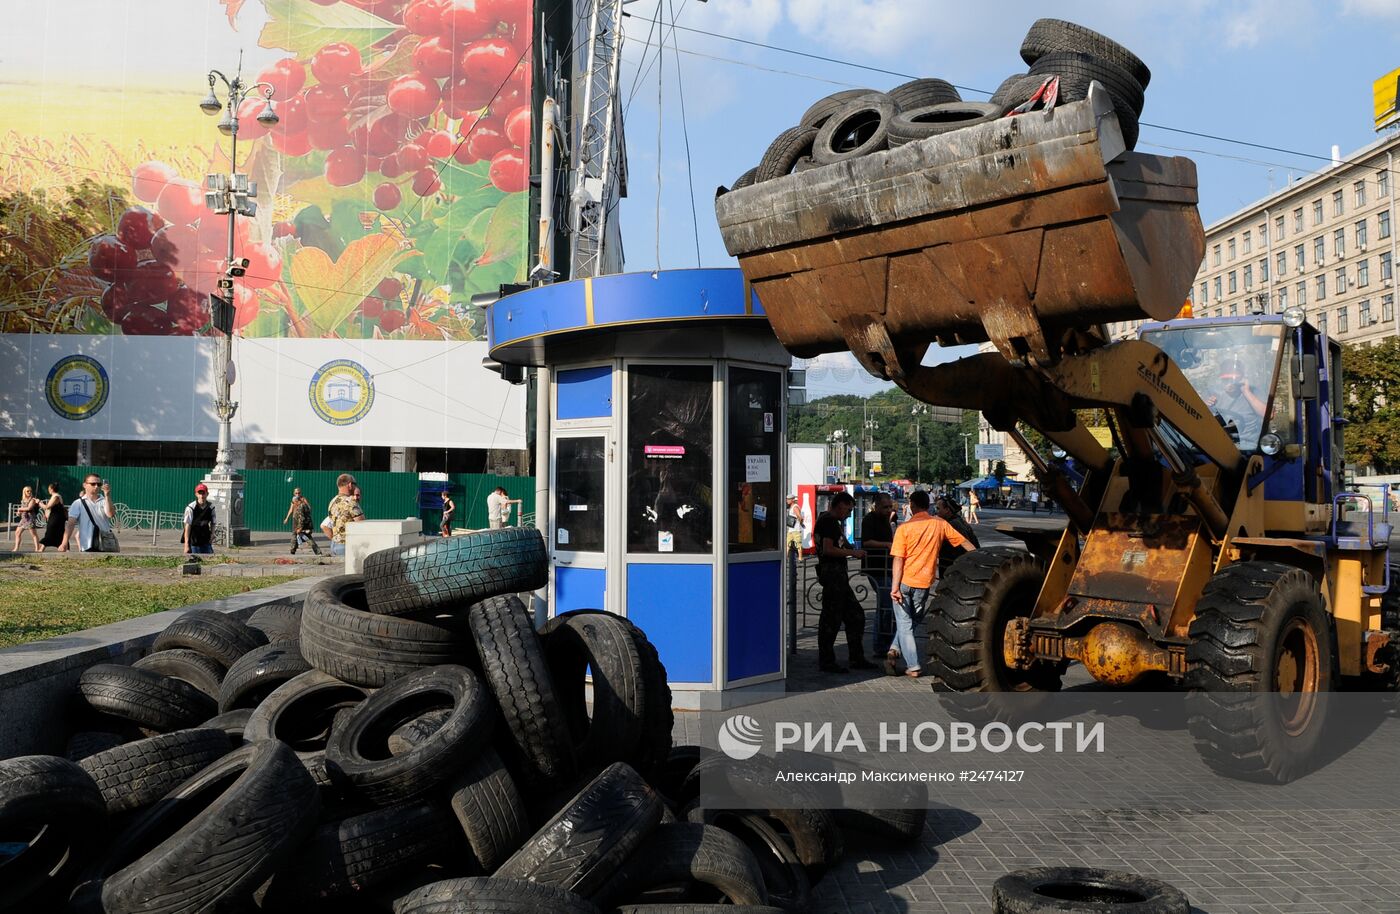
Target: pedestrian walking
{"x": 199, "y": 523}
{"x": 56, "y": 519}
{"x": 27, "y": 514}
{"x": 498, "y": 508}
{"x": 449, "y": 507}
{"x": 876, "y": 536}
{"x": 915, "y": 551}
{"x": 91, "y": 516}
{"x": 840, "y": 608}
{"x": 1035, "y": 502}
{"x": 973, "y": 503}
{"x": 299, "y": 513}
{"x": 343, "y": 510}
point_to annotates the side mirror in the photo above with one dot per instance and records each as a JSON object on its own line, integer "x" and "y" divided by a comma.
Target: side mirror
{"x": 1305, "y": 378}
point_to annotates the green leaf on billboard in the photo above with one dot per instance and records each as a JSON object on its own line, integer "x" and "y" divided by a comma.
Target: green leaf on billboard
{"x": 268, "y": 323}
{"x": 461, "y": 181}
{"x": 332, "y": 290}
{"x": 505, "y": 235}
{"x": 345, "y": 220}
{"x": 304, "y": 26}
{"x": 437, "y": 255}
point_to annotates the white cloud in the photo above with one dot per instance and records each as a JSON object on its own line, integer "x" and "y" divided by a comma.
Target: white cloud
{"x": 746, "y": 18}
{"x": 862, "y": 27}
{"x": 1385, "y": 9}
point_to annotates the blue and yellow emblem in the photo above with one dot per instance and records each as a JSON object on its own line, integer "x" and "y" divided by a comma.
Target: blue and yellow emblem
{"x": 342, "y": 392}
{"x": 77, "y": 387}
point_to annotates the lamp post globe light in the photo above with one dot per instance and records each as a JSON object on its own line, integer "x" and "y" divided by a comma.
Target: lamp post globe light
{"x": 231, "y": 195}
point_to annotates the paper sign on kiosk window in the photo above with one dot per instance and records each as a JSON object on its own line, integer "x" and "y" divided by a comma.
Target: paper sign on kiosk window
{"x": 563, "y": 536}
{"x": 758, "y": 468}
{"x": 665, "y": 541}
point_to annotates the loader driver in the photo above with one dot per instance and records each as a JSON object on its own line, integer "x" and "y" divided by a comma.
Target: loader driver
{"x": 1236, "y": 402}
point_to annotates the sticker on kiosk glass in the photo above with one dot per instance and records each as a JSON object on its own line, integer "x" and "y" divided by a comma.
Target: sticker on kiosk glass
{"x": 664, "y": 451}
{"x": 665, "y": 541}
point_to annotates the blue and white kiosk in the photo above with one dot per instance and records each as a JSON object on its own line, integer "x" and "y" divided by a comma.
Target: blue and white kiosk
{"x": 666, "y": 430}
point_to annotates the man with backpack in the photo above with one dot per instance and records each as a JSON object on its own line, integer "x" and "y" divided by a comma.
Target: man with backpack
{"x": 199, "y": 523}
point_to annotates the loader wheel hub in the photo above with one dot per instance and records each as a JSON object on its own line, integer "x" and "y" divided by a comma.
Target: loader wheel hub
{"x": 1297, "y": 673}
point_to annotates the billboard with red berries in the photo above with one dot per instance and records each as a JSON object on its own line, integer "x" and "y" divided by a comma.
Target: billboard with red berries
{"x": 392, "y": 189}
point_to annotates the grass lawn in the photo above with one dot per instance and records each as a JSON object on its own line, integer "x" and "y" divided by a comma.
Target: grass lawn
{"x": 43, "y": 598}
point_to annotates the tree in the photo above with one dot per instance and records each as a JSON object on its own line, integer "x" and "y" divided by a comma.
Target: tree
{"x": 1371, "y": 388}
{"x": 999, "y": 471}
{"x": 912, "y": 444}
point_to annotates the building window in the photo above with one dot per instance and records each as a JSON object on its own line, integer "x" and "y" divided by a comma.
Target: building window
{"x": 1341, "y": 280}
{"x": 1383, "y": 224}
{"x": 1360, "y": 188}
{"x": 1264, "y": 269}
{"x": 1363, "y": 315}
{"x": 1297, "y": 220}
{"x": 1278, "y": 228}
{"x": 670, "y": 481}
{"x": 1339, "y": 242}
{"x": 1234, "y": 310}
{"x": 1319, "y": 252}
{"x": 1363, "y": 273}
{"x": 1248, "y": 277}
{"x": 1231, "y": 246}
{"x": 1317, "y": 212}
{"x": 1385, "y": 265}
{"x": 755, "y": 458}
{"x": 1282, "y": 298}
{"x": 1204, "y": 297}
{"x": 1321, "y": 291}
{"x": 1361, "y": 234}
{"x": 1302, "y": 294}
{"x": 1298, "y": 263}
{"x": 1218, "y": 296}
{"x": 1281, "y": 263}
{"x": 1388, "y": 308}
{"x": 1234, "y": 283}
{"x": 1247, "y": 241}
{"x": 1342, "y": 319}
{"x": 1337, "y": 203}
{"x": 1382, "y": 183}
{"x": 1215, "y": 255}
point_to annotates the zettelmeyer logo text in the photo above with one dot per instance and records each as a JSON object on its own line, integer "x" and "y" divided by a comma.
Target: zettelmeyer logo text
{"x": 741, "y": 737}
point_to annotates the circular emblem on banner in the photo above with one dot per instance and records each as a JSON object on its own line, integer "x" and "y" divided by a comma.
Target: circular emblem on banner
{"x": 77, "y": 387}
{"x": 342, "y": 392}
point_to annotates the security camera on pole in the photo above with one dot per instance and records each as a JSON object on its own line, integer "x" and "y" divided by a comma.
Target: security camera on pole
{"x": 230, "y": 194}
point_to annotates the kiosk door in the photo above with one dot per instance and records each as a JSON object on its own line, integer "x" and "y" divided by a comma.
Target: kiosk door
{"x": 578, "y": 522}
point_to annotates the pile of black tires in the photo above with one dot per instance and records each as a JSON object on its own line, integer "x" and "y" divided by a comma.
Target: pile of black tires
{"x": 857, "y": 122}
{"x": 402, "y": 741}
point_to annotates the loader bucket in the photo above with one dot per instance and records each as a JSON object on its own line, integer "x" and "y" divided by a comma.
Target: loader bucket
{"x": 1016, "y": 231}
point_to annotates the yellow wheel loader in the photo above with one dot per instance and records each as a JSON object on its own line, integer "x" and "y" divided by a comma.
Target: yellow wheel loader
{"x": 1218, "y": 548}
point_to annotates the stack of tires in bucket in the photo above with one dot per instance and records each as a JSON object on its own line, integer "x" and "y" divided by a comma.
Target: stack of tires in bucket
{"x": 858, "y": 122}
{"x": 402, "y": 741}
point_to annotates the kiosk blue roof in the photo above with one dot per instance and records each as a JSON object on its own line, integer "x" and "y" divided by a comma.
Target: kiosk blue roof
{"x": 521, "y": 327}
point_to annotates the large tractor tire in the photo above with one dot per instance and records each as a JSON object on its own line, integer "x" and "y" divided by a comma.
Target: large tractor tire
{"x": 981, "y": 592}
{"x": 1259, "y": 668}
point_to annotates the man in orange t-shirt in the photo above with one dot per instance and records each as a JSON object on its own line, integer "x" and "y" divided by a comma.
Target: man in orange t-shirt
{"x": 915, "y": 554}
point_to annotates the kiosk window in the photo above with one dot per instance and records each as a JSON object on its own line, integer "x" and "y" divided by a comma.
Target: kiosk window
{"x": 670, "y": 477}
{"x": 578, "y": 494}
{"x": 755, "y": 500}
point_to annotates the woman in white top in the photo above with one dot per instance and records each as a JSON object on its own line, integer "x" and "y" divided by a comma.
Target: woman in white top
{"x": 91, "y": 513}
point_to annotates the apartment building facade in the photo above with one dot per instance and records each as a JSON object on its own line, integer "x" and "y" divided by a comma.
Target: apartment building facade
{"x": 1327, "y": 243}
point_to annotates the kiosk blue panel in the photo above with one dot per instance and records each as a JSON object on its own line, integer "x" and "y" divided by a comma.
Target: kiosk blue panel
{"x": 578, "y": 588}
{"x": 755, "y": 629}
{"x": 674, "y": 604}
{"x": 584, "y": 393}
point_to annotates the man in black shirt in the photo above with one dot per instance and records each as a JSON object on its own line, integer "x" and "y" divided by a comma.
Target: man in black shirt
{"x": 876, "y": 535}
{"x": 945, "y": 509}
{"x": 839, "y": 604}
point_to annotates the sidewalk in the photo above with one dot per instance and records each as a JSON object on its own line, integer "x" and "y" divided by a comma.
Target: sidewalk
{"x": 269, "y": 553}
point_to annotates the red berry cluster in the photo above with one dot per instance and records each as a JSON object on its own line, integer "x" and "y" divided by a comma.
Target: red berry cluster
{"x": 471, "y": 62}
{"x": 161, "y": 265}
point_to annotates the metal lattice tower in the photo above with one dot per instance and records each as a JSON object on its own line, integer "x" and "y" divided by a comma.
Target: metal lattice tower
{"x": 595, "y": 176}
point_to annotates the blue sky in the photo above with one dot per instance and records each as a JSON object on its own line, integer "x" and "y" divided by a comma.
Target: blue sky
{"x": 1287, "y": 73}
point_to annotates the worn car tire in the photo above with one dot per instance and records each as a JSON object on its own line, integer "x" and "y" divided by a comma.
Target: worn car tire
{"x": 1049, "y": 36}
{"x": 212, "y": 633}
{"x": 476, "y": 895}
{"x": 920, "y": 93}
{"x": 258, "y": 672}
{"x": 90, "y": 742}
{"x": 745, "y": 179}
{"x": 857, "y": 129}
{"x": 783, "y": 154}
{"x": 57, "y": 809}
{"x": 823, "y": 108}
{"x": 688, "y": 853}
{"x": 408, "y": 735}
{"x": 586, "y": 842}
{"x": 341, "y": 637}
{"x": 490, "y": 810}
{"x": 451, "y": 573}
{"x": 145, "y": 698}
{"x": 343, "y": 859}
{"x": 914, "y": 124}
{"x": 279, "y": 621}
{"x": 1076, "y": 71}
{"x": 199, "y": 670}
{"x": 1090, "y": 890}
{"x": 358, "y": 756}
{"x": 1015, "y": 90}
{"x": 602, "y": 643}
{"x": 233, "y": 723}
{"x": 696, "y": 909}
{"x": 135, "y": 775}
{"x": 515, "y": 669}
{"x": 236, "y": 821}
{"x": 784, "y": 875}
{"x": 301, "y": 713}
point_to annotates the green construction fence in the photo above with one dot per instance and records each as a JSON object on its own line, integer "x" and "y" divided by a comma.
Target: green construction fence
{"x": 267, "y": 493}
